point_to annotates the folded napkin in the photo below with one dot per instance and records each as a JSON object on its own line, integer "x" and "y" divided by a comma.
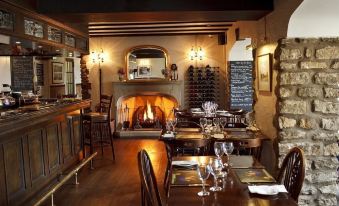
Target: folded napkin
{"x": 267, "y": 189}
{"x": 184, "y": 163}
{"x": 219, "y": 136}
{"x": 168, "y": 135}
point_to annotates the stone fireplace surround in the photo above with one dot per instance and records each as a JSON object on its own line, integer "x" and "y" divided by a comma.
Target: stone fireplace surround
{"x": 124, "y": 89}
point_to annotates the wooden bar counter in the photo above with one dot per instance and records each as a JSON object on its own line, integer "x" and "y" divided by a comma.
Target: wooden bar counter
{"x": 36, "y": 147}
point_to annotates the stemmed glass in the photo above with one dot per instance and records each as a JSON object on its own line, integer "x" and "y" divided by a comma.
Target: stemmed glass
{"x": 215, "y": 168}
{"x": 203, "y": 173}
{"x": 209, "y": 125}
{"x": 203, "y": 123}
{"x": 174, "y": 123}
{"x": 216, "y": 122}
{"x": 223, "y": 122}
{"x": 219, "y": 149}
{"x": 228, "y": 148}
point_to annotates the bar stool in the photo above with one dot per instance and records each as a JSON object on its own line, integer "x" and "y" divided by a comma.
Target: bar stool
{"x": 97, "y": 126}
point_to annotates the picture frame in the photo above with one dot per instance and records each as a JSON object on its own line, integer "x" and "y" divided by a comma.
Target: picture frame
{"x": 144, "y": 71}
{"x": 57, "y": 73}
{"x": 264, "y": 64}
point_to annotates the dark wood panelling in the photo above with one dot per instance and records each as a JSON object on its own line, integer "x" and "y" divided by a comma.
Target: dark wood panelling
{"x": 52, "y": 135}
{"x": 76, "y": 131}
{"x": 14, "y": 169}
{"x": 66, "y": 136}
{"x": 35, "y": 142}
{"x": 3, "y": 199}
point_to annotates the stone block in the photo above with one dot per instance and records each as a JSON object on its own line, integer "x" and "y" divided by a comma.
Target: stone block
{"x": 323, "y": 176}
{"x": 307, "y": 123}
{"x": 285, "y": 92}
{"x": 288, "y": 66}
{"x": 328, "y": 200}
{"x": 290, "y": 54}
{"x": 308, "y": 52}
{"x": 335, "y": 65}
{"x": 306, "y": 200}
{"x": 328, "y": 52}
{"x": 331, "y": 92}
{"x": 330, "y": 124}
{"x": 326, "y": 78}
{"x": 328, "y": 189}
{"x": 310, "y": 92}
{"x": 326, "y": 107}
{"x": 328, "y": 163}
{"x": 308, "y": 190}
{"x": 313, "y": 65}
{"x": 308, "y": 147}
{"x": 331, "y": 150}
{"x": 285, "y": 122}
{"x": 293, "y": 107}
{"x": 297, "y": 78}
{"x": 323, "y": 136}
{"x": 292, "y": 134}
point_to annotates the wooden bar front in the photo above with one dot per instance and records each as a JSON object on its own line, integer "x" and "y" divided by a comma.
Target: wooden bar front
{"x": 36, "y": 148}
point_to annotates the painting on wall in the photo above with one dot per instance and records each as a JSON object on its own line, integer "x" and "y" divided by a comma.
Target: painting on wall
{"x": 144, "y": 71}
{"x": 264, "y": 73}
{"x": 57, "y": 73}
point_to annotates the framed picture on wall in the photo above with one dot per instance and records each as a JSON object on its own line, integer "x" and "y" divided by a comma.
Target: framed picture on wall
{"x": 57, "y": 73}
{"x": 264, "y": 73}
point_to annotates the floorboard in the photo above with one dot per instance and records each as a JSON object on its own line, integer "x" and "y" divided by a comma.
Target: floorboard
{"x": 114, "y": 183}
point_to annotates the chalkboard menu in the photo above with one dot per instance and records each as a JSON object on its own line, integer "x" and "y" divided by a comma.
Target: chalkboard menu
{"x": 22, "y": 73}
{"x": 241, "y": 81}
{"x": 39, "y": 69}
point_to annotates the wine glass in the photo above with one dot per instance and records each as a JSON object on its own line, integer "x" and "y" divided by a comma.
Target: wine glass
{"x": 215, "y": 168}
{"x": 209, "y": 125}
{"x": 219, "y": 149}
{"x": 203, "y": 173}
{"x": 216, "y": 122}
{"x": 228, "y": 148}
{"x": 223, "y": 122}
{"x": 174, "y": 123}
{"x": 203, "y": 122}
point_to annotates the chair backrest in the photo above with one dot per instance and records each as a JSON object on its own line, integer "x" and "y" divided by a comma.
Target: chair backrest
{"x": 149, "y": 188}
{"x": 105, "y": 104}
{"x": 251, "y": 146}
{"x": 292, "y": 172}
{"x": 191, "y": 146}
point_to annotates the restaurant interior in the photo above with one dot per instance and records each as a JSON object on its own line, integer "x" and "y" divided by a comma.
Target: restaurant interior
{"x": 169, "y": 102}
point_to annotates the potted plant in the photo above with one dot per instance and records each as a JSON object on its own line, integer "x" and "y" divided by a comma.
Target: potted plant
{"x": 121, "y": 73}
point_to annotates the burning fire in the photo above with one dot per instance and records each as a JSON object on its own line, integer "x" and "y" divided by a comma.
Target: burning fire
{"x": 148, "y": 114}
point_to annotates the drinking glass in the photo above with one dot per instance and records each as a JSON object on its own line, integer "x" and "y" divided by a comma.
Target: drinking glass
{"x": 223, "y": 122}
{"x": 203, "y": 122}
{"x": 209, "y": 125}
{"x": 216, "y": 122}
{"x": 218, "y": 149}
{"x": 228, "y": 148}
{"x": 174, "y": 123}
{"x": 203, "y": 173}
{"x": 215, "y": 168}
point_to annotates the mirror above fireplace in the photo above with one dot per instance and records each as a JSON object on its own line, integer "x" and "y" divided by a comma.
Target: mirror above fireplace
{"x": 146, "y": 62}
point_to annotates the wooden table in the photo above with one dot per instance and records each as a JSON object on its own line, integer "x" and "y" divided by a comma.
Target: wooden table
{"x": 234, "y": 192}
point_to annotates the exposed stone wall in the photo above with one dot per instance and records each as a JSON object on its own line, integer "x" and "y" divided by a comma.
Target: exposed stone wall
{"x": 309, "y": 112}
{"x": 85, "y": 84}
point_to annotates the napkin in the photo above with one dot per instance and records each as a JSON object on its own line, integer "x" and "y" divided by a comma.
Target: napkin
{"x": 184, "y": 163}
{"x": 219, "y": 136}
{"x": 267, "y": 189}
{"x": 168, "y": 135}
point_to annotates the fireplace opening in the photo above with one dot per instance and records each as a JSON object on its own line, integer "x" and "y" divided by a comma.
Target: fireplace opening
{"x": 145, "y": 111}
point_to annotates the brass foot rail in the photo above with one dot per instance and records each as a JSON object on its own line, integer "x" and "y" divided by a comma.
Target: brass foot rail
{"x": 74, "y": 172}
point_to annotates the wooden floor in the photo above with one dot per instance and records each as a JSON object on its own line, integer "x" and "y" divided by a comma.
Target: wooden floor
{"x": 114, "y": 183}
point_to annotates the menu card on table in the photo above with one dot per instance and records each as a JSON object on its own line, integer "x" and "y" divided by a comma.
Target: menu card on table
{"x": 185, "y": 178}
{"x": 254, "y": 176}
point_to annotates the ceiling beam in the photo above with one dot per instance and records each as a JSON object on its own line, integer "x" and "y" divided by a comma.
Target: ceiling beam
{"x": 156, "y": 29}
{"x": 110, "y": 34}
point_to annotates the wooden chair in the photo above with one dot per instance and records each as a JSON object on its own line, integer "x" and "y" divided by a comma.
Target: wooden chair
{"x": 149, "y": 189}
{"x": 292, "y": 172}
{"x": 249, "y": 147}
{"x": 168, "y": 167}
{"x": 190, "y": 147}
{"x": 97, "y": 126}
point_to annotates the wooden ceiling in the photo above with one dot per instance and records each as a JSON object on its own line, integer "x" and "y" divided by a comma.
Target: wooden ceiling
{"x": 154, "y": 17}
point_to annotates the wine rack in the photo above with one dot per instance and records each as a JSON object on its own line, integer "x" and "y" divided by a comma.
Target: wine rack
{"x": 202, "y": 84}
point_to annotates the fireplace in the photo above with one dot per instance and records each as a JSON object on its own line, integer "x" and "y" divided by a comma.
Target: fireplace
{"x": 145, "y": 111}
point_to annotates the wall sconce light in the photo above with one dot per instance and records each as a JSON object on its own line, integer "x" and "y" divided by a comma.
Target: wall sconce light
{"x": 98, "y": 56}
{"x": 196, "y": 53}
